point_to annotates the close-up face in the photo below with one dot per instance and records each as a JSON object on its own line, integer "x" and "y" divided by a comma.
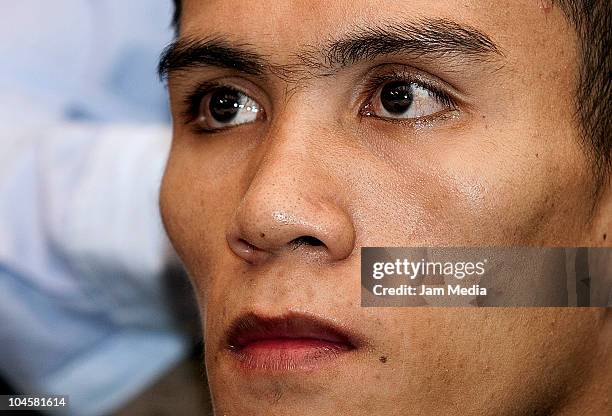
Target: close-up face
{"x": 305, "y": 130}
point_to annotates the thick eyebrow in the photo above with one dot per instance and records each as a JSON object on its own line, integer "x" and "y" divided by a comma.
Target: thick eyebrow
{"x": 439, "y": 38}
{"x": 189, "y": 53}
{"x": 433, "y": 38}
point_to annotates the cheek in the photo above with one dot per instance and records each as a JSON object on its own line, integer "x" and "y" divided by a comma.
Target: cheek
{"x": 185, "y": 215}
{"x": 198, "y": 197}
{"x": 512, "y": 355}
{"x": 537, "y": 199}
{"x": 512, "y": 188}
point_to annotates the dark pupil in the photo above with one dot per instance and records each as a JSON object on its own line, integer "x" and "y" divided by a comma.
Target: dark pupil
{"x": 396, "y": 97}
{"x": 225, "y": 104}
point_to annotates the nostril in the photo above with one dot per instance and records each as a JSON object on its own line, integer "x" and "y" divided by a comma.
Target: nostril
{"x": 306, "y": 240}
{"x": 247, "y": 251}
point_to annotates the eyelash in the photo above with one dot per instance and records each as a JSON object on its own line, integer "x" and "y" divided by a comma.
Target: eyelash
{"x": 374, "y": 84}
{"x": 194, "y": 99}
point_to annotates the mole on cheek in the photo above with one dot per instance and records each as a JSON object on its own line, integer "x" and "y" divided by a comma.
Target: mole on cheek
{"x": 383, "y": 359}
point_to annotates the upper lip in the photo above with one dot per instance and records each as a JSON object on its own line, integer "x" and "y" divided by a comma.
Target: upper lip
{"x": 250, "y": 327}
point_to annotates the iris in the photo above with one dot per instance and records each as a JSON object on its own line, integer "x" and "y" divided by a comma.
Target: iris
{"x": 225, "y": 104}
{"x": 396, "y": 97}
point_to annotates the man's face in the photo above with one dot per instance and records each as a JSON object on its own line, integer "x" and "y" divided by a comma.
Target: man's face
{"x": 308, "y": 129}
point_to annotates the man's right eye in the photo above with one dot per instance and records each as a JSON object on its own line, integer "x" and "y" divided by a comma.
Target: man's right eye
{"x": 220, "y": 108}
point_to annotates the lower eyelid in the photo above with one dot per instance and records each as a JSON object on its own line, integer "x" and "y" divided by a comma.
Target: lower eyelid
{"x": 417, "y": 123}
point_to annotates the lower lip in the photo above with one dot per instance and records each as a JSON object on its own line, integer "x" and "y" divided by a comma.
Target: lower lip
{"x": 288, "y": 354}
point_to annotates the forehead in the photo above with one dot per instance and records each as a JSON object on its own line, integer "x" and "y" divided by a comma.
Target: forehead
{"x": 290, "y": 24}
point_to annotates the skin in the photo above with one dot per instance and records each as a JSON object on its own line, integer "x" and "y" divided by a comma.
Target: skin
{"x": 508, "y": 168}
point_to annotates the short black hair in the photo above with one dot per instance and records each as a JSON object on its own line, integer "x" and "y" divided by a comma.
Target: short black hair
{"x": 176, "y": 16}
{"x": 592, "y": 20}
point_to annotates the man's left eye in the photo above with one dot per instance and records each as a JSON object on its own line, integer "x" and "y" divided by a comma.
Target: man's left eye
{"x": 406, "y": 100}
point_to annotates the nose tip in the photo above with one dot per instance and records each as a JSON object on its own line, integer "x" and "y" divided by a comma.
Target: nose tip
{"x": 255, "y": 236}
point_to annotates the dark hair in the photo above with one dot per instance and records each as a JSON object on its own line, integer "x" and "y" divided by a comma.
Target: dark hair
{"x": 176, "y": 16}
{"x": 592, "y": 20}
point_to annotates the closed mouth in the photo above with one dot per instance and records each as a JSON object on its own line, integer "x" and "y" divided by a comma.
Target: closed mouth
{"x": 286, "y": 343}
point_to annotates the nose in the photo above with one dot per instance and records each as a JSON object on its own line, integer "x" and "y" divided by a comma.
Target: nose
{"x": 290, "y": 202}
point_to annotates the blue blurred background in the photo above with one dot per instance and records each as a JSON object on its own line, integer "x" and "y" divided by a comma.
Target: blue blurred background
{"x": 93, "y": 303}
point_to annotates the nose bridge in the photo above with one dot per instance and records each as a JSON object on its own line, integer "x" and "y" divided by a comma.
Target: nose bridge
{"x": 283, "y": 169}
{"x": 290, "y": 201}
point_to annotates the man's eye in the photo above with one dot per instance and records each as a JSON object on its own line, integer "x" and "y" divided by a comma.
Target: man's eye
{"x": 226, "y": 107}
{"x": 406, "y": 100}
